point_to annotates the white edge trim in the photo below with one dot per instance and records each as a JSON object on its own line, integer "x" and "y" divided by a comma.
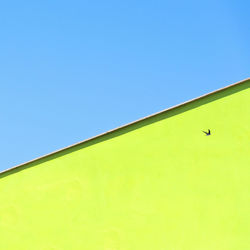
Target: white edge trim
{"x": 123, "y": 126}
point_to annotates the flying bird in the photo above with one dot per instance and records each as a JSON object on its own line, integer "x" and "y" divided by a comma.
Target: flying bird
{"x": 207, "y": 133}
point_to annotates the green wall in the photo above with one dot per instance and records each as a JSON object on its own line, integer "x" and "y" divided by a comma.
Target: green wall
{"x": 159, "y": 184}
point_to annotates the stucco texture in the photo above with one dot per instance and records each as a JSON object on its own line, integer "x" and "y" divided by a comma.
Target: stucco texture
{"x": 160, "y": 184}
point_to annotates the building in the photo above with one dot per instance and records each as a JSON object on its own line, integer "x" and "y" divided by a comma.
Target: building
{"x": 159, "y": 183}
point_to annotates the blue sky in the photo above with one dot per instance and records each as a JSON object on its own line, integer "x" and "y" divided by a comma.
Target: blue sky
{"x": 70, "y": 70}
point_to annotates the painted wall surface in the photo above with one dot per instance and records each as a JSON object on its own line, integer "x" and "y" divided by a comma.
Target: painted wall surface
{"x": 160, "y": 184}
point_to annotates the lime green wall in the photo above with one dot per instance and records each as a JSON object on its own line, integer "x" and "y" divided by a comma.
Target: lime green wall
{"x": 159, "y": 184}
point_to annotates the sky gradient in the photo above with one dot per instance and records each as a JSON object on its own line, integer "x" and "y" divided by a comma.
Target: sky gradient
{"x": 70, "y": 70}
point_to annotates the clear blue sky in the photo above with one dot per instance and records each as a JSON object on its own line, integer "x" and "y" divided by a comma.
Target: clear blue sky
{"x": 70, "y": 70}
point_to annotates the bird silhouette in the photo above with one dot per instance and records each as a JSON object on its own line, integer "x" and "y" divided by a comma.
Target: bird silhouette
{"x": 207, "y": 133}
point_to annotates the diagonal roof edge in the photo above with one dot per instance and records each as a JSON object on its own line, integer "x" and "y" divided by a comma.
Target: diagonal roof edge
{"x": 126, "y": 125}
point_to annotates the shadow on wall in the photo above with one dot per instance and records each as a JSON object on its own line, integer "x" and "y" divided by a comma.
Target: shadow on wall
{"x": 130, "y": 127}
